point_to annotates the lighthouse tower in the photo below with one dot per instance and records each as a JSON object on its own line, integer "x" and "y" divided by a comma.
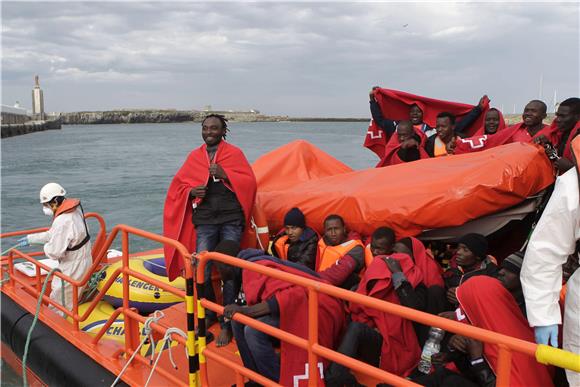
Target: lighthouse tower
{"x": 37, "y": 101}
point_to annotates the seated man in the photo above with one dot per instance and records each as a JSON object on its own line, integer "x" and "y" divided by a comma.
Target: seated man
{"x": 432, "y": 274}
{"x": 567, "y": 122}
{"x": 335, "y": 244}
{"x": 283, "y": 305}
{"x": 470, "y": 260}
{"x": 443, "y": 143}
{"x": 406, "y": 146}
{"x": 509, "y": 276}
{"x": 382, "y": 241}
{"x": 485, "y": 303}
{"x": 297, "y": 242}
{"x": 382, "y": 339}
{"x": 532, "y": 127}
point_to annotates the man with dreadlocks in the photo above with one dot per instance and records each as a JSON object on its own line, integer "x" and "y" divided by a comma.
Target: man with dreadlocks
{"x": 209, "y": 200}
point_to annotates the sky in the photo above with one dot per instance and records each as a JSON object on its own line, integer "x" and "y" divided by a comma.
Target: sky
{"x": 299, "y": 59}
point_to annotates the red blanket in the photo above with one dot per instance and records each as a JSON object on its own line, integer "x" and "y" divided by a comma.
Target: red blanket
{"x": 293, "y": 304}
{"x": 177, "y": 213}
{"x": 568, "y": 147}
{"x": 514, "y": 133}
{"x": 390, "y": 156}
{"x": 432, "y": 273}
{"x": 376, "y": 139}
{"x": 400, "y": 352}
{"x": 488, "y": 305}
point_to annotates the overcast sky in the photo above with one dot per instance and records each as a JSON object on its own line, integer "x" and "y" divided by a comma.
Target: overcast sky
{"x": 299, "y": 59}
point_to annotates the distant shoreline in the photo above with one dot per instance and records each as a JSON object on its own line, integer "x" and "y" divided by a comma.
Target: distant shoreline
{"x": 137, "y": 116}
{"x": 175, "y": 116}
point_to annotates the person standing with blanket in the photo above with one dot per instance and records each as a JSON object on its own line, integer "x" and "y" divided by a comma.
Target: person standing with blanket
{"x": 210, "y": 198}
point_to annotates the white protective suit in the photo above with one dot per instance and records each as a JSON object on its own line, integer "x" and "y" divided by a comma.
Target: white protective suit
{"x": 67, "y": 230}
{"x": 552, "y": 241}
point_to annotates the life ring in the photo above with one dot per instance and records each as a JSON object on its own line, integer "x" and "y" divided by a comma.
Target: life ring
{"x": 144, "y": 296}
{"x": 259, "y": 231}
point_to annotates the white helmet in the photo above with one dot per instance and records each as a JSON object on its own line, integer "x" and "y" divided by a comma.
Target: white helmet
{"x": 49, "y": 191}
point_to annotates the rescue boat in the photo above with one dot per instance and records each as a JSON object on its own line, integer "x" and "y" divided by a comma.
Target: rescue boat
{"x": 99, "y": 344}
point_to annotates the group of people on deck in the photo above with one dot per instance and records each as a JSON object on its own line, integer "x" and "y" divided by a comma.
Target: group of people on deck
{"x": 209, "y": 204}
{"x": 480, "y": 128}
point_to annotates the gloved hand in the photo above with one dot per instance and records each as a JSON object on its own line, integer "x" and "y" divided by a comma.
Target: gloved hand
{"x": 23, "y": 242}
{"x": 546, "y": 334}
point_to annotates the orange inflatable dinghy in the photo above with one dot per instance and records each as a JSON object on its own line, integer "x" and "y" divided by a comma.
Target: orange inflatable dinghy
{"x": 410, "y": 198}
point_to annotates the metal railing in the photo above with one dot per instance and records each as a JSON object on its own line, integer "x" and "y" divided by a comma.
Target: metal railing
{"x": 131, "y": 317}
{"x": 506, "y": 344}
{"x": 197, "y": 372}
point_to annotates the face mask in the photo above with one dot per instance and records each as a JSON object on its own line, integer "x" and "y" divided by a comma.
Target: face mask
{"x": 47, "y": 211}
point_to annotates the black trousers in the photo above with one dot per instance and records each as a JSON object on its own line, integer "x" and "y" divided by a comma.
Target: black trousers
{"x": 360, "y": 342}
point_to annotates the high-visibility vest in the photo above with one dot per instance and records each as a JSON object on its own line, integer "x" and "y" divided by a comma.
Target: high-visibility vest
{"x": 329, "y": 255}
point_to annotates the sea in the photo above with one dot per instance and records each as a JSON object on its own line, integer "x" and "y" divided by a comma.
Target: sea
{"x": 123, "y": 171}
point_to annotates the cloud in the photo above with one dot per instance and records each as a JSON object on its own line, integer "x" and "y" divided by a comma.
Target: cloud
{"x": 315, "y": 59}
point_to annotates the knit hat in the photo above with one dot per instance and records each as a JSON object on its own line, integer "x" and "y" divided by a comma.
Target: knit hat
{"x": 513, "y": 262}
{"x": 476, "y": 243}
{"x": 295, "y": 217}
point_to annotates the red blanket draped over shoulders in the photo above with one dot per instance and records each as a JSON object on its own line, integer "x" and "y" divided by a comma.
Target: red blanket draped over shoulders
{"x": 390, "y": 155}
{"x": 177, "y": 213}
{"x": 514, "y": 133}
{"x": 568, "y": 147}
{"x": 432, "y": 272}
{"x": 293, "y": 304}
{"x": 488, "y": 305}
{"x": 400, "y": 351}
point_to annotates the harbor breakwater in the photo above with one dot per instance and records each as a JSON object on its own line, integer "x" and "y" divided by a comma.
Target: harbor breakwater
{"x": 11, "y": 130}
{"x": 158, "y": 116}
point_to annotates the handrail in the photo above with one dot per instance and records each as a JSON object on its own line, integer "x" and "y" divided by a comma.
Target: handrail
{"x": 99, "y": 239}
{"x": 506, "y": 344}
{"x": 132, "y": 319}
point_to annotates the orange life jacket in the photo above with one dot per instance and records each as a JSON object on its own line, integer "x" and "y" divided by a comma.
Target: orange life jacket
{"x": 329, "y": 255}
{"x": 440, "y": 148}
{"x": 69, "y": 205}
{"x": 368, "y": 255}
{"x": 282, "y": 247}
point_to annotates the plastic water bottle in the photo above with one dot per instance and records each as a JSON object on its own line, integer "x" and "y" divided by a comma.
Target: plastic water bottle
{"x": 432, "y": 347}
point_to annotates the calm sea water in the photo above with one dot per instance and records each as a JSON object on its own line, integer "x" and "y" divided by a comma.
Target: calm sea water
{"x": 123, "y": 171}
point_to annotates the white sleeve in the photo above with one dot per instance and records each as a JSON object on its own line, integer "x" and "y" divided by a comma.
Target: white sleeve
{"x": 552, "y": 241}
{"x": 61, "y": 234}
{"x": 38, "y": 238}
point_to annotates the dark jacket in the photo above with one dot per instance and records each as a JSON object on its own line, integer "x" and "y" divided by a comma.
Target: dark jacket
{"x": 454, "y": 277}
{"x": 302, "y": 251}
{"x": 465, "y": 123}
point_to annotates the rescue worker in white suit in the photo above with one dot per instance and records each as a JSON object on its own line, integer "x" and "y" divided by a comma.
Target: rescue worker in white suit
{"x": 552, "y": 241}
{"x": 67, "y": 241}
